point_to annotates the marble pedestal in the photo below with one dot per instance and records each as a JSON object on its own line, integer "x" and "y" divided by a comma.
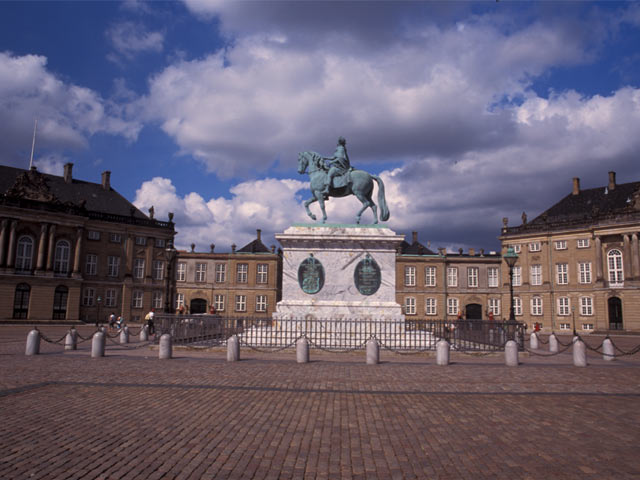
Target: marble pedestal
{"x": 339, "y": 249}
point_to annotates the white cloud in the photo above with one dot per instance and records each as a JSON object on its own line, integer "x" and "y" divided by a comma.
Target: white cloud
{"x": 67, "y": 114}
{"x": 130, "y": 38}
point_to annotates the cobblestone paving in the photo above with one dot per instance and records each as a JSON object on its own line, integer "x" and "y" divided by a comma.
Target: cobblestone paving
{"x": 131, "y": 416}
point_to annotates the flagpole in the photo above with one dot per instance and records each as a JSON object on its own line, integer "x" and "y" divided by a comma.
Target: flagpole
{"x": 33, "y": 143}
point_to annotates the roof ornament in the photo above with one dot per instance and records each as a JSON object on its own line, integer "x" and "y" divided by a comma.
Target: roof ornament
{"x": 606, "y": 191}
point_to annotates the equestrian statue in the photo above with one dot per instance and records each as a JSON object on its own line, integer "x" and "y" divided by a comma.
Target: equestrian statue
{"x": 339, "y": 179}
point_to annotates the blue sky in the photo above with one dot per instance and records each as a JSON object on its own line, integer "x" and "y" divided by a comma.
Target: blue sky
{"x": 470, "y": 112}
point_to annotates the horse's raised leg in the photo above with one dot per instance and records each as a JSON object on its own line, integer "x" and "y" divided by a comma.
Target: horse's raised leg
{"x": 320, "y": 199}
{"x": 366, "y": 203}
{"x": 306, "y": 206}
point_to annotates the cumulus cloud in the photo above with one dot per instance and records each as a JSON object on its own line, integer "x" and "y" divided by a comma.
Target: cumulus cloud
{"x": 131, "y": 38}
{"x": 67, "y": 114}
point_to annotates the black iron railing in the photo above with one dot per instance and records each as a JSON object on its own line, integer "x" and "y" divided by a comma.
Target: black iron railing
{"x": 338, "y": 334}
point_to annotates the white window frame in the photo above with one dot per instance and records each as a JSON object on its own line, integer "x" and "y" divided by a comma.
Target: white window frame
{"x": 587, "y": 326}
{"x": 472, "y": 277}
{"x": 156, "y": 299}
{"x": 179, "y": 300}
{"x": 200, "y": 275}
{"x": 517, "y": 248}
{"x": 494, "y": 306}
{"x": 218, "y": 302}
{"x": 536, "y": 305}
{"x": 452, "y": 277}
{"x": 221, "y": 273}
{"x": 242, "y": 272}
{"x": 181, "y": 272}
{"x": 158, "y": 270}
{"x": 564, "y": 306}
{"x": 615, "y": 267}
{"x": 517, "y": 306}
{"x": 113, "y": 266}
{"x": 24, "y": 253}
{"x": 93, "y": 235}
{"x": 160, "y": 242}
{"x": 91, "y": 265}
{"x": 262, "y": 273}
{"x": 88, "y": 297}
{"x": 115, "y": 237}
{"x": 138, "y": 268}
{"x": 431, "y": 306}
{"x": 493, "y": 277}
{"x": 562, "y": 274}
{"x": 535, "y": 246}
{"x": 586, "y": 306}
{"x": 430, "y": 276}
{"x": 453, "y": 306}
{"x": 536, "y": 274}
{"x": 261, "y": 303}
{"x": 560, "y": 244}
{"x": 137, "y": 299}
{"x": 61, "y": 257}
{"x": 582, "y": 243}
{"x": 517, "y": 276}
{"x": 409, "y": 276}
{"x": 584, "y": 272}
{"x": 110, "y": 297}
{"x": 142, "y": 241}
{"x": 409, "y": 305}
{"x": 565, "y": 326}
{"x": 241, "y": 303}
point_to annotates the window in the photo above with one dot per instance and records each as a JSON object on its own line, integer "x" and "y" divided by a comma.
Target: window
{"x": 536, "y": 305}
{"x": 583, "y": 243}
{"x": 219, "y": 303}
{"x": 560, "y": 244}
{"x": 113, "y": 266}
{"x": 430, "y": 276}
{"x": 92, "y": 264}
{"x": 452, "y": 277}
{"x": 241, "y": 303}
{"x": 60, "y": 302}
{"x": 587, "y": 326}
{"x": 201, "y": 272}
{"x": 472, "y": 277}
{"x": 452, "y": 306}
{"x": 242, "y": 270}
{"x": 141, "y": 241}
{"x": 585, "y": 272}
{"x": 586, "y": 306}
{"x": 179, "y": 300}
{"x": 536, "y": 274}
{"x": 535, "y": 247}
{"x": 137, "y": 299}
{"x": 21, "y": 301}
{"x": 158, "y": 269}
{"x": 517, "y": 248}
{"x": 564, "y": 306}
{"x": 494, "y": 306}
{"x": 115, "y": 238}
{"x": 88, "y": 297}
{"x": 493, "y": 274}
{"x": 262, "y": 273}
{"x": 614, "y": 261}
{"x": 61, "y": 257}
{"x": 261, "y": 303}
{"x": 160, "y": 242}
{"x": 517, "y": 276}
{"x": 431, "y": 306}
{"x": 93, "y": 235}
{"x": 410, "y": 276}
{"x": 517, "y": 306}
{"x": 138, "y": 268}
{"x": 181, "y": 272}
{"x": 562, "y": 273}
{"x": 24, "y": 254}
{"x": 410, "y": 306}
{"x": 156, "y": 299}
{"x": 221, "y": 273}
{"x": 565, "y": 326}
{"x": 110, "y": 297}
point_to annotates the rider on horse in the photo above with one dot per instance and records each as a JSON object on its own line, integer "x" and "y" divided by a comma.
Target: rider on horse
{"x": 339, "y": 163}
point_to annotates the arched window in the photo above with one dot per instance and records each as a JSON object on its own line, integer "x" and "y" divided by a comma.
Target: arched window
{"x": 60, "y": 302}
{"x": 24, "y": 254}
{"x": 61, "y": 258}
{"x": 614, "y": 262}
{"x": 21, "y": 301}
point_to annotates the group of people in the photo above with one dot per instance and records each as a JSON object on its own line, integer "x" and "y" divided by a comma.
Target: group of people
{"x": 116, "y": 323}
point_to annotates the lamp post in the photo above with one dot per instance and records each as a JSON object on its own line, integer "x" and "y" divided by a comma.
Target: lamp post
{"x": 170, "y": 253}
{"x": 511, "y": 257}
{"x": 99, "y": 302}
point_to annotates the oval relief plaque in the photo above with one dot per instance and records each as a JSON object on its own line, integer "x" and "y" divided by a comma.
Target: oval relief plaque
{"x": 311, "y": 275}
{"x": 367, "y": 276}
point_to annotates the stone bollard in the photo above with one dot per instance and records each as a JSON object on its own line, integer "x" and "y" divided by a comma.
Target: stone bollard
{"x": 33, "y": 343}
{"x": 442, "y": 353}
{"x": 373, "y": 352}
{"x": 607, "y": 350}
{"x": 97, "y": 345}
{"x": 166, "y": 348}
{"x": 233, "y": 349}
{"x": 302, "y": 350}
{"x": 144, "y": 333}
{"x": 511, "y": 353}
{"x": 533, "y": 341}
{"x": 579, "y": 353}
{"x": 71, "y": 340}
{"x": 124, "y": 335}
{"x": 553, "y": 343}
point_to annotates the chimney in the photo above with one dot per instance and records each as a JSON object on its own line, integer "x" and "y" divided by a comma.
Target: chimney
{"x": 415, "y": 237}
{"x": 576, "y": 186}
{"x": 612, "y": 181}
{"x": 233, "y": 248}
{"x": 258, "y": 233}
{"x": 193, "y": 247}
{"x": 442, "y": 251}
{"x": 472, "y": 252}
{"x": 273, "y": 249}
{"x": 213, "y": 247}
{"x": 68, "y": 167}
{"x": 106, "y": 180}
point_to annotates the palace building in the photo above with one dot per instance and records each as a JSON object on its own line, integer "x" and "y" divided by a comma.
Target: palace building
{"x": 73, "y": 250}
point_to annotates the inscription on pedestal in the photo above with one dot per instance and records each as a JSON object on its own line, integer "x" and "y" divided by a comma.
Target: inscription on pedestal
{"x": 311, "y": 275}
{"x": 367, "y": 276}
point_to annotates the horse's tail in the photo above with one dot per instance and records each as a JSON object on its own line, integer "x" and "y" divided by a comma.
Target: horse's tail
{"x": 382, "y": 203}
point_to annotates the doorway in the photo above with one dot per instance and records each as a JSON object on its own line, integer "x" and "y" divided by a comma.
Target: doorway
{"x": 615, "y": 313}
{"x": 198, "y": 305}
{"x": 473, "y": 311}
